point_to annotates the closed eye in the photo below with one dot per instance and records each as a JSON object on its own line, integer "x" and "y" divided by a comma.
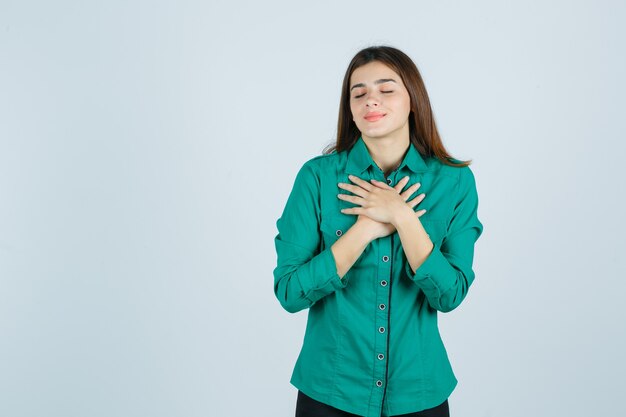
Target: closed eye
{"x": 385, "y": 92}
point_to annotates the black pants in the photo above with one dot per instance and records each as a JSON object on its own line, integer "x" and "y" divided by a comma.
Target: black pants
{"x": 308, "y": 407}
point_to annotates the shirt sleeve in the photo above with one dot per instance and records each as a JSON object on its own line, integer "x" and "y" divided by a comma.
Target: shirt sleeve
{"x": 446, "y": 274}
{"x": 303, "y": 274}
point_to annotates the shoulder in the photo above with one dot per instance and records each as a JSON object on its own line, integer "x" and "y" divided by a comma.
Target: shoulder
{"x": 325, "y": 160}
{"x": 463, "y": 175}
{"x": 317, "y": 166}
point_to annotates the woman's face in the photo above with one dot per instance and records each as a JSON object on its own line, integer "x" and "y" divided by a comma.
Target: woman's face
{"x": 379, "y": 101}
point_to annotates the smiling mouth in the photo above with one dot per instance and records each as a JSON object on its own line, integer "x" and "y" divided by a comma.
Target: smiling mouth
{"x": 374, "y": 118}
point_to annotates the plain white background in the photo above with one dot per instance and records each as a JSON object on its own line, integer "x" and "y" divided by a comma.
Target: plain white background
{"x": 148, "y": 148}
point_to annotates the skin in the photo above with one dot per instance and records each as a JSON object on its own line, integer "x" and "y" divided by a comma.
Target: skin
{"x": 381, "y": 209}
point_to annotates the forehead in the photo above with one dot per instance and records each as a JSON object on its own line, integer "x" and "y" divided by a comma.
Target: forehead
{"x": 372, "y": 71}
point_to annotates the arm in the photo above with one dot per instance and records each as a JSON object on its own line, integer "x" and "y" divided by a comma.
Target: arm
{"x": 349, "y": 247}
{"x": 304, "y": 274}
{"x": 444, "y": 272}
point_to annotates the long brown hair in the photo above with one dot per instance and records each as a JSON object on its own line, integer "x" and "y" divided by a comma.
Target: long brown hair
{"x": 422, "y": 128}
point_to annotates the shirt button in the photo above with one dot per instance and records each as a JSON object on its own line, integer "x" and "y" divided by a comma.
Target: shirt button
{"x": 338, "y": 232}
{"x": 389, "y": 181}
{"x": 379, "y": 383}
{"x": 385, "y": 258}
{"x": 382, "y": 306}
{"x": 383, "y": 283}
{"x": 381, "y": 329}
{"x": 381, "y": 356}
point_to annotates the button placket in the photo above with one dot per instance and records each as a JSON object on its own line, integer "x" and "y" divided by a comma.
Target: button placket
{"x": 385, "y": 250}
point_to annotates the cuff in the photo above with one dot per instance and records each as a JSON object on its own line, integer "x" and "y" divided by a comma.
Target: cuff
{"x": 323, "y": 278}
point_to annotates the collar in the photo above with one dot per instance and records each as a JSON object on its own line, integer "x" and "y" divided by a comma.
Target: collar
{"x": 359, "y": 159}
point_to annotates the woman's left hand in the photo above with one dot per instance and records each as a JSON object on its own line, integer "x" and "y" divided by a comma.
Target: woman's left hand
{"x": 378, "y": 200}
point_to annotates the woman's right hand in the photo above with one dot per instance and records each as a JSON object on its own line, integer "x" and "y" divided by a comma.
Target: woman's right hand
{"x": 377, "y": 229}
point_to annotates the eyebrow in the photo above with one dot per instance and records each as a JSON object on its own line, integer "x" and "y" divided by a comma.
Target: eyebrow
{"x": 382, "y": 80}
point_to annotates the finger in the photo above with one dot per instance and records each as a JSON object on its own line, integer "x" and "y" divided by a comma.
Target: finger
{"x": 410, "y": 191}
{"x": 414, "y": 187}
{"x": 363, "y": 184}
{"x": 406, "y": 194}
{"x": 381, "y": 184}
{"x": 419, "y": 198}
{"x": 420, "y": 213}
{"x": 354, "y": 189}
{"x": 400, "y": 185}
{"x": 351, "y": 198}
{"x": 352, "y": 210}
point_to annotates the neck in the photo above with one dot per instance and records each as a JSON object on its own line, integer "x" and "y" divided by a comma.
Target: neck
{"x": 387, "y": 152}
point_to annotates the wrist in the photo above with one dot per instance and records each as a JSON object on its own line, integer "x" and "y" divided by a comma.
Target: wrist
{"x": 363, "y": 232}
{"x": 403, "y": 216}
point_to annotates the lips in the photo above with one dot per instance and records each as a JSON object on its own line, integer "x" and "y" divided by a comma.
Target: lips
{"x": 374, "y": 116}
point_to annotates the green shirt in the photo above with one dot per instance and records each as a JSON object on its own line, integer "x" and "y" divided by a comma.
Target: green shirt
{"x": 372, "y": 346}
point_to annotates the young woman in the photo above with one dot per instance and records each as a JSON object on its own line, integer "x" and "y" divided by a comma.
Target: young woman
{"x": 373, "y": 262}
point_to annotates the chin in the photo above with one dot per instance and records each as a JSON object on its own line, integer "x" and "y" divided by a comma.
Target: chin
{"x": 375, "y": 133}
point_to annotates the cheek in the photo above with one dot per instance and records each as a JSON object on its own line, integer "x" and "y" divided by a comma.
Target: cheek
{"x": 404, "y": 103}
{"x": 354, "y": 111}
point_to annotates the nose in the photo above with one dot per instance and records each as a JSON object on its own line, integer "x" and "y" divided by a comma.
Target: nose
{"x": 371, "y": 103}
